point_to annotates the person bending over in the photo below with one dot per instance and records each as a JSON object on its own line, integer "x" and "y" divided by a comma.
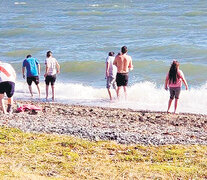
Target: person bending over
{"x": 33, "y": 71}
{"x": 7, "y": 85}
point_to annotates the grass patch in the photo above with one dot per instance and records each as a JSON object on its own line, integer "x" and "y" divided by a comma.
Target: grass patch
{"x": 46, "y": 156}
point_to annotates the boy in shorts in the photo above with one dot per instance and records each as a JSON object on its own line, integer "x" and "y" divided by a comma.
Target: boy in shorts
{"x": 52, "y": 68}
{"x": 111, "y": 71}
{"x": 7, "y": 85}
{"x": 33, "y": 71}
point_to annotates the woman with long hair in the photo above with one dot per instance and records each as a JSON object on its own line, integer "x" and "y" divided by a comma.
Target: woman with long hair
{"x": 174, "y": 80}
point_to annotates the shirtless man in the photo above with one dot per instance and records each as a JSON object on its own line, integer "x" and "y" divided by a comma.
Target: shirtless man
{"x": 123, "y": 62}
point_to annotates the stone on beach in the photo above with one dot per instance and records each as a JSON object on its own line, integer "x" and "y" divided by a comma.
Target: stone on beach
{"x": 121, "y": 125}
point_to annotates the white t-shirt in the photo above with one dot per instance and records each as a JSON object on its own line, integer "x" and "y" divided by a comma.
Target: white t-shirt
{"x": 7, "y": 72}
{"x": 112, "y": 68}
{"x": 51, "y": 64}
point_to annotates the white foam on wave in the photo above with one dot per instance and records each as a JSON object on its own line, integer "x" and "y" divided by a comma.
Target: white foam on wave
{"x": 141, "y": 96}
{"x": 94, "y": 5}
{"x": 20, "y": 3}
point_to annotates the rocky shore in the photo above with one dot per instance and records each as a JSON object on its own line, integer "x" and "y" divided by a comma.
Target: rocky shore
{"x": 121, "y": 125}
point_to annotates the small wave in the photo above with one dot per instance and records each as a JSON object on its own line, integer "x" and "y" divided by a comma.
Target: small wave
{"x": 22, "y": 52}
{"x": 86, "y": 13}
{"x": 94, "y": 5}
{"x": 195, "y": 13}
{"x": 14, "y": 32}
{"x": 20, "y": 3}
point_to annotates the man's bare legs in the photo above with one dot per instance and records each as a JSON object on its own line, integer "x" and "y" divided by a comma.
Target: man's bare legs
{"x": 2, "y": 103}
{"x": 125, "y": 92}
{"x": 53, "y": 92}
{"x": 10, "y": 102}
{"x": 47, "y": 87}
{"x": 38, "y": 88}
{"x": 118, "y": 91}
{"x": 30, "y": 90}
{"x": 169, "y": 104}
{"x": 109, "y": 93}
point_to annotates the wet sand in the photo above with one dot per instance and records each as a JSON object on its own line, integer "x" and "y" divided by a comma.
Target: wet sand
{"x": 124, "y": 126}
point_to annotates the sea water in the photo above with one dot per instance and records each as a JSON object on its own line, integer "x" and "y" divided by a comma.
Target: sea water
{"x": 80, "y": 33}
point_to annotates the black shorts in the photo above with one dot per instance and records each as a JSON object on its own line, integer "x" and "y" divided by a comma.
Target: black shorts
{"x": 33, "y": 78}
{"x": 8, "y": 88}
{"x": 50, "y": 79}
{"x": 122, "y": 79}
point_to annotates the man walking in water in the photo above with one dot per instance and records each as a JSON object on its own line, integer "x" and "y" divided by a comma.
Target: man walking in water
{"x": 33, "y": 71}
{"x": 51, "y": 69}
{"x": 123, "y": 62}
{"x": 110, "y": 73}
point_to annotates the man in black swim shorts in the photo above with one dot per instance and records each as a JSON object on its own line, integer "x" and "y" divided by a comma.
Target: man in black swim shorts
{"x": 32, "y": 66}
{"x": 122, "y": 79}
{"x": 50, "y": 79}
{"x": 123, "y": 62}
{"x": 52, "y": 68}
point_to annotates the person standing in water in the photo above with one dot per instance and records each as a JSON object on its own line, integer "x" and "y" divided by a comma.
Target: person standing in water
{"x": 7, "y": 85}
{"x": 51, "y": 69}
{"x": 33, "y": 71}
{"x": 174, "y": 80}
{"x": 123, "y": 62}
{"x": 111, "y": 71}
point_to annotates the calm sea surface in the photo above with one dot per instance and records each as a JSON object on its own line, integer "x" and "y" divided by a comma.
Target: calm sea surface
{"x": 80, "y": 33}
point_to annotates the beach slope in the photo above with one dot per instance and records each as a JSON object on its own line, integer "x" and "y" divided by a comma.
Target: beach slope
{"x": 124, "y": 126}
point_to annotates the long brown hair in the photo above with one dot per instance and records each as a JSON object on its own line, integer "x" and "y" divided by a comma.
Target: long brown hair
{"x": 173, "y": 72}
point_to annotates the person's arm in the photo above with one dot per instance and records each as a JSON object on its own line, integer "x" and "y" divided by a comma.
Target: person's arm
{"x": 184, "y": 81}
{"x": 107, "y": 69}
{"x": 38, "y": 69}
{"x": 58, "y": 67}
{"x": 23, "y": 71}
{"x": 130, "y": 64}
{"x": 115, "y": 61}
{"x": 166, "y": 82}
{"x": 46, "y": 69}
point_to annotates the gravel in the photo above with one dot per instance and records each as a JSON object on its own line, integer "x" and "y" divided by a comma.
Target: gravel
{"x": 124, "y": 126}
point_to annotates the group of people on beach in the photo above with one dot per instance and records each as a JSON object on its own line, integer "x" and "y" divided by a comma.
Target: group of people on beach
{"x": 118, "y": 67}
{"x": 32, "y": 67}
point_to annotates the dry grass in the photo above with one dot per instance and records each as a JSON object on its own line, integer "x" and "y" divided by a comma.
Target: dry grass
{"x": 47, "y": 156}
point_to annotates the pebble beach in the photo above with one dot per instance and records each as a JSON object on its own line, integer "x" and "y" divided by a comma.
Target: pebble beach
{"x": 124, "y": 126}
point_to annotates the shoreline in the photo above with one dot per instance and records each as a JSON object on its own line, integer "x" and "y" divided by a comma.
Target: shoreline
{"x": 125, "y": 126}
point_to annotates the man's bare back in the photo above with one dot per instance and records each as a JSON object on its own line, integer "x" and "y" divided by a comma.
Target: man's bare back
{"x": 123, "y": 63}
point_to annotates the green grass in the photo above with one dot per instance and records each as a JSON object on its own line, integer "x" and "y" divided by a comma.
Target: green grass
{"x": 47, "y": 156}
